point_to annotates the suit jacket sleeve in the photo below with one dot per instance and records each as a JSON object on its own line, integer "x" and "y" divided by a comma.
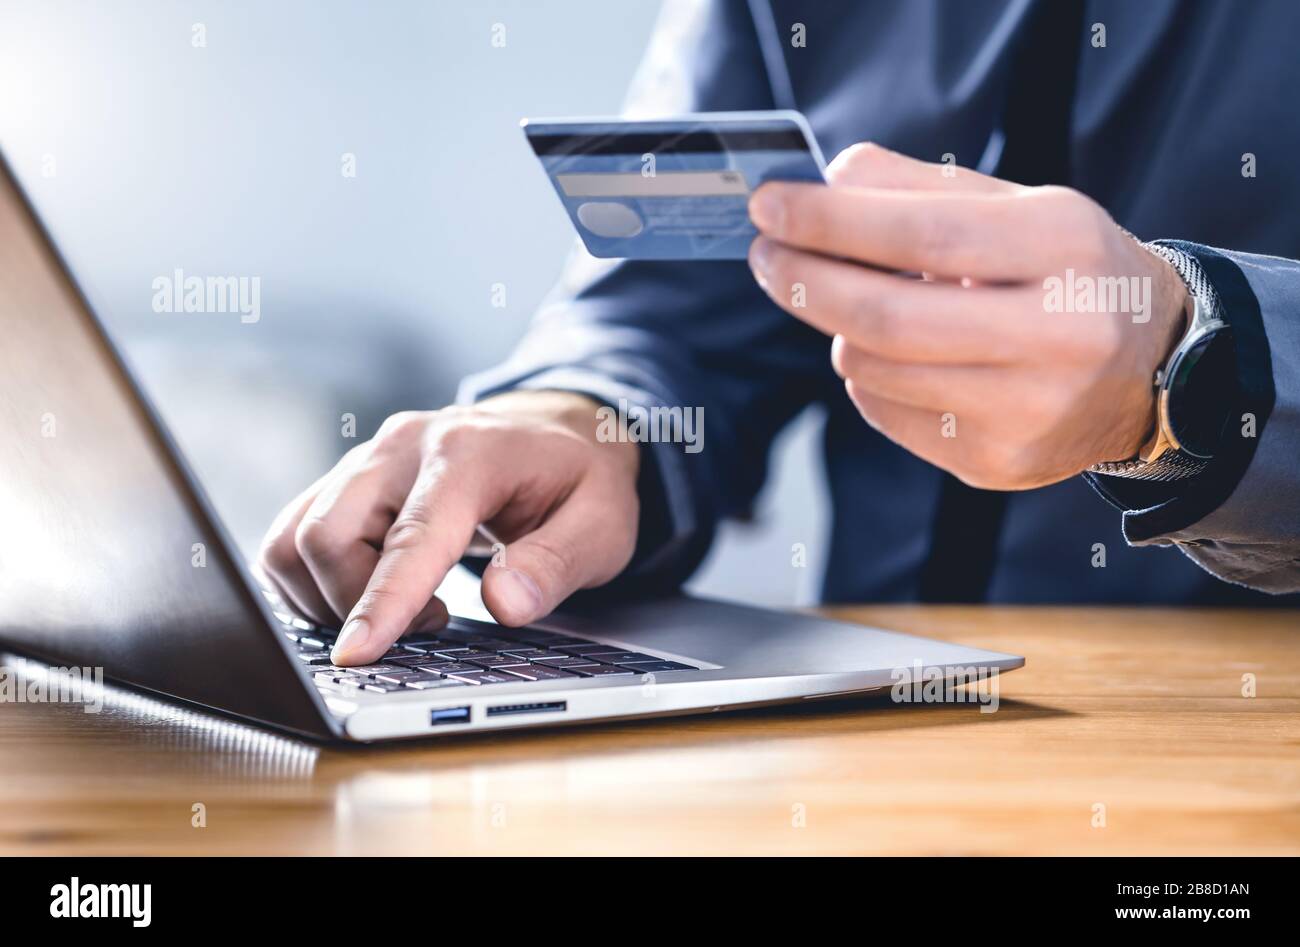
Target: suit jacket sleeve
{"x": 1240, "y": 519}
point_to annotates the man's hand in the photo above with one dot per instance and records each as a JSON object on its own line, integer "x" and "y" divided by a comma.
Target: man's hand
{"x": 372, "y": 540}
{"x": 974, "y": 367}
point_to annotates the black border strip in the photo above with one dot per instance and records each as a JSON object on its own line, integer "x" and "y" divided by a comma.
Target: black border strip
{"x": 1090, "y": 892}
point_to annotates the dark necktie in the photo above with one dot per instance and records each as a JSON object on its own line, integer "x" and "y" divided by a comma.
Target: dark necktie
{"x": 1036, "y": 128}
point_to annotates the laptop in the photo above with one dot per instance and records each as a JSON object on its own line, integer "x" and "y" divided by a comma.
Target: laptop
{"x": 112, "y": 557}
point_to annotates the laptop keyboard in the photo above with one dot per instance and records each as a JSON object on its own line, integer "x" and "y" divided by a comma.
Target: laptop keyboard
{"x": 469, "y": 654}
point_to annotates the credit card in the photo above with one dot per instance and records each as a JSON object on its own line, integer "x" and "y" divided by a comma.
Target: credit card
{"x": 672, "y": 188}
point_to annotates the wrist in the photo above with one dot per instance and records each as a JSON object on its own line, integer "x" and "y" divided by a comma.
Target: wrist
{"x": 1193, "y": 386}
{"x": 1172, "y": 310}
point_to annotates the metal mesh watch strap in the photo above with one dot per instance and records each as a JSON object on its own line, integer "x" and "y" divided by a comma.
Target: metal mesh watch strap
{"x": 1187, "y": 267}
{"x": 1172, "y": 464}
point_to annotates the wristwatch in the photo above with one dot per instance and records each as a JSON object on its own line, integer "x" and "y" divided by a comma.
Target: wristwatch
{"x": 1193, "y": 389}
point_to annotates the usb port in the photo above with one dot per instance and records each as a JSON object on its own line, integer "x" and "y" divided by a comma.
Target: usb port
{"x": 449, "y": 715}
{"x": 550, "y": 707}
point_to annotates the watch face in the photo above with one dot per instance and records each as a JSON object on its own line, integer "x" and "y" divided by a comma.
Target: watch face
{"x": 1201, "y": 385}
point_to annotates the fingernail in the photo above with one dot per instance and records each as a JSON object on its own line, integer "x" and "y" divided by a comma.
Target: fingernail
{"x": 519, "y": 594}
{"x": 354, "y": 637}
{"x": 837, "y": 354}
{"x": 767, "y": 209}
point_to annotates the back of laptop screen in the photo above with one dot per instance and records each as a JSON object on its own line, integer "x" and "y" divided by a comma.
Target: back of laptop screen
{"x": 106, "y": 557}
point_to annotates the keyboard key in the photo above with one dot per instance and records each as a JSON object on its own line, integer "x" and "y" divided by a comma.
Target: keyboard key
{"x": 583, "y": 649}
{"x": 620, "y": 657}
{"x": 457, "y": 647}
{"x": 532, "y": 654}
{"x": 647, "y": 667}
{"x": 329, "y": 669}
{"x": 493, "y": 644}
{"x": 344, "y": 683}
{"x": 377, "y": 687}
{"x": 370, "y": 670}
{"x": 411, "y": 649}
{"x": 495, "y": 661}
{"x": 598, "y": 670}
{"x": 400, "y": 677}
{"x": 564, "y": 662}
{"x": 415, "y": 660}
{"x": 427, "y": 682}
{"x": 307, "y": 642}
{"x": 314, "y": 657}
{"x": 449, "y": 667}
{"x": 466, "y": 654}
{"x": 422, "y": 642}
{"x": 484, "y": 677}
{"x": 536, "y": 672}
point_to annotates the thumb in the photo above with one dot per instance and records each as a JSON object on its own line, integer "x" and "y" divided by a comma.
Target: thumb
{"x": 867, "y": 164}
{"x": 586, "y": 542}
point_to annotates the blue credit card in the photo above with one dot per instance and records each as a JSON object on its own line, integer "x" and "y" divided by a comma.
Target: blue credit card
{"x": 673, "y": 188}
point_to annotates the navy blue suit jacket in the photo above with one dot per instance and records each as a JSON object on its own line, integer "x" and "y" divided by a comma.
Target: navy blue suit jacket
{"x": 1166, "y": 115}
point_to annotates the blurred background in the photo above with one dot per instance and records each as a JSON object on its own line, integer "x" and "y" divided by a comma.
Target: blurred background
{"x": 213, "y": 137}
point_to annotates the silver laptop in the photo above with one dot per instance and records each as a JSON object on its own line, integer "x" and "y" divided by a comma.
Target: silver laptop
{"x": 112, "y": 557}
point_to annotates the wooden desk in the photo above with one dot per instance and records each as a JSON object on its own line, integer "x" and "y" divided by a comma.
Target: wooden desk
{"x": 1140, "y": 711}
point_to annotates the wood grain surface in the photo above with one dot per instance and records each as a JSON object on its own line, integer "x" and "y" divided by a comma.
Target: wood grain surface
{"x": 1137, "y": 716}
